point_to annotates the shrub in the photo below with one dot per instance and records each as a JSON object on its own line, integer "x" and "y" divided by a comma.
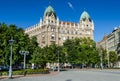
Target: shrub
{"x": 37, "y": 71}
{"x": 28, "y": 71}
{"x": 5, "y": 73}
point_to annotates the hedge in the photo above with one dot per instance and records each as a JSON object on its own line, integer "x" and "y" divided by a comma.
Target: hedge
{"x": 27, "y": 71}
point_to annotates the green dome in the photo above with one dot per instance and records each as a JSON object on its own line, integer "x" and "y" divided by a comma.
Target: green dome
{"x": 49, "y": 10}
{"x": 85, "y": 16}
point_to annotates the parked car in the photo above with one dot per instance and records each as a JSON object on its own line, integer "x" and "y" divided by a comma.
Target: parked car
{"x": 4, "y": 68}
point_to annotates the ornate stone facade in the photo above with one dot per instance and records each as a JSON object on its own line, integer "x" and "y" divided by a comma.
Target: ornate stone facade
{"x": 111, "y": 42}
{"x": 52, "y": 30}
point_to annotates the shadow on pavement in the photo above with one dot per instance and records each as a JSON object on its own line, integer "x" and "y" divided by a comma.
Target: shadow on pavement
{"x": 69, "y": 80}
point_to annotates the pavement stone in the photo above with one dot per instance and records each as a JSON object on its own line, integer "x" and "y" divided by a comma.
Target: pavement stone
{"x": 74, "y": 75}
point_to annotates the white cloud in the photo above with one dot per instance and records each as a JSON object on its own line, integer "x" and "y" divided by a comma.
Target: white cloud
{"x": 70, "y": 5}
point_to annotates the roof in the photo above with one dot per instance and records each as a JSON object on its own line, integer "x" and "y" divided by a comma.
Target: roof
{"x": 85, "y": 16}
{"x": 49, "y": 10}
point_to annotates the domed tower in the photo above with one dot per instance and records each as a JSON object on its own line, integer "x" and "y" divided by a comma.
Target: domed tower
{"x": 87, "y": 25}
{"x": 49, "y": 15}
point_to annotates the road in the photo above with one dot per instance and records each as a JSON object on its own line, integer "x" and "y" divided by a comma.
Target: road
{"x": 75, "y": 75}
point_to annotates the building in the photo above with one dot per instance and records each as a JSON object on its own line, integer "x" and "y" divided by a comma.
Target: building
{"x": 103, "y": 43}
{"x": 114, "y": 39}
{"x": 52, "y": 30}
{"x": 111, "y": 42}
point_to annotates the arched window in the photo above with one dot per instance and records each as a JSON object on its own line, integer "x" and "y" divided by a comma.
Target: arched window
{"x": 53, "y": 36}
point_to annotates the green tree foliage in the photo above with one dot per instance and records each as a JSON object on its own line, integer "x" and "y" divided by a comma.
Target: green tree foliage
{"x": 6, "y": 32}
{"x": 38, "y": 57}
{"x": 22, "y": 42}
{"x": 74, "y": 51}
{"x": 103, "y": 55}
{"x": 81, "y": 51}
{"x": 113, "y": 56}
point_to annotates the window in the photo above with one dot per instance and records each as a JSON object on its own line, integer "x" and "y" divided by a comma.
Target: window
{"x": 68, "y": 37}
{"x": 64, "y": 38}
{"x": 76, "y": 32}
{"x": 71, "y": 32}
{"x": 59, "y": 38}
{"x": 68, "y": 31}
{"x": 72, "y": 37}
{"x": 83, "y": 25}
{"x": 65, "y": 31}
{"x": 80, "y": 33}
{"x": 48, "y": 20}
{"x": 52, "y": 36}
{"x": 52, "y": 29}
{"x": 88, "y": 32}
{"x": 59, "y": 31}
{"x": 43, "y": 37}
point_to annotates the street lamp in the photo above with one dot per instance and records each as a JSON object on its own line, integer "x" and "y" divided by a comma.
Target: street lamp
{"x": 101, "y": 56}
{"x": 11, "y": 41}
{"x": 108, "y": 61}
{"x": 101, "y": 64}
{"x": 58, "y": 62}
{"x": 58, "y": 52}
{"x": 24, "y": 53}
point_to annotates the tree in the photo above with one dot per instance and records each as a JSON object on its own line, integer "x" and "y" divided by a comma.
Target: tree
{"x": 88, "y": 48}
{"x": 113, "y": 56}
{"x": 103, "y": 56}
{"x": 38, "y": 58}
{"x": 22, "y": 42}
{"x": 81, "y": 51}
{"x": 71, "y": 51}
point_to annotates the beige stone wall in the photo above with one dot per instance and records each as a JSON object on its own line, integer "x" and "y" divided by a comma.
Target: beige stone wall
{"x": 64, "y": 30}
{"x": 51, "y": 30}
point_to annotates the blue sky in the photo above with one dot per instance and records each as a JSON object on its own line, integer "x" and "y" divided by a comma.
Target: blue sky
{"x": 24, "y": 13}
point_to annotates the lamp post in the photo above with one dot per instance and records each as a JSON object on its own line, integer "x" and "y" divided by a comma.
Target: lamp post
{"x": 24, "y": 53}
{"x": 11, "y": 41}
{"x": 108, "y": 61}
{"x": 58, "y": 63}
{"x": 58, "y": 52}
{"x": 101, "y": 57}
{"x": 101, "y": 64}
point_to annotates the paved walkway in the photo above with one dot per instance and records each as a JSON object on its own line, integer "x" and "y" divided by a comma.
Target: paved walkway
{"x": 74, "y": 75}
